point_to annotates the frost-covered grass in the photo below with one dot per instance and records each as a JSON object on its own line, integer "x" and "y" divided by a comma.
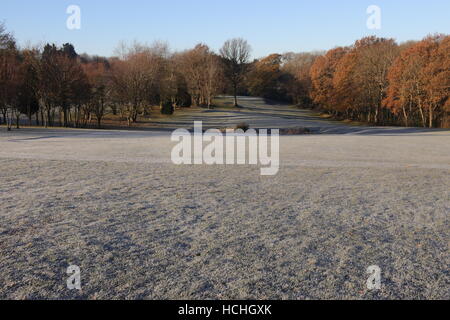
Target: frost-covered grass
{"x": 158, "y": 231}
{"x": 139, "y": 227}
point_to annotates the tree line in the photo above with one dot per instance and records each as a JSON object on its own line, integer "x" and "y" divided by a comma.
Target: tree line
{"x": 375, "y": 80}
{"x": 57, "y": 86}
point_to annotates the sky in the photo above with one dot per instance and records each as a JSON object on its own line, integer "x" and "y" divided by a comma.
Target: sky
{"x": 270, "y": 26}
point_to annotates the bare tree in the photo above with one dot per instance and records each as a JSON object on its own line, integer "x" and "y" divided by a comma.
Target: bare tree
{"x": 97, "y": 72}
{"x": 296, "y": 79}
{"x": 201, "y": 70}
{"x": 137, "y": 78}
{"x": 8, "y": 74}
{"x": 214, "y": 77}
{"x": 236, "y": 55}
{"x": 59, "y": 74}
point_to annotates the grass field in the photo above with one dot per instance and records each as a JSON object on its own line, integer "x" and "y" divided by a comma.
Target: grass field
{"x": 140, "y": 227}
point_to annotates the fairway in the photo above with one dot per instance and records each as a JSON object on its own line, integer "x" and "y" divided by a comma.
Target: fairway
{"x": 139, "y": 227}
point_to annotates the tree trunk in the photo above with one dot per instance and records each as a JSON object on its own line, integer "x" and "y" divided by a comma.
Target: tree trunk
{"x": 9, "y": 121}
{"x": 431, "y": 116}
{"x": 4, "y": 116}
{"x": 422, "y": 115}
{"x": 235, "y": 96}
{"x": 405, "y": 116}
{"x": 65, "y": 118}
{"x": 48, "y": 119}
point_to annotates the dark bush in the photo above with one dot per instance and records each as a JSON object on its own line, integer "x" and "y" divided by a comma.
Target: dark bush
{"x": 167, "y": 108}
{"x": 243, "y": 126}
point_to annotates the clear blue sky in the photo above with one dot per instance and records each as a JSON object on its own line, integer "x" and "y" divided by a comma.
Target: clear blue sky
{"x": 269, "y": 25}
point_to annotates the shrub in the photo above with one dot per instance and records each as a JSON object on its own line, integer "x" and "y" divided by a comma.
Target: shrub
{"x": 294, "y": 131}
{"x": 167, "y": 108}
{"x": 243, "y": 126}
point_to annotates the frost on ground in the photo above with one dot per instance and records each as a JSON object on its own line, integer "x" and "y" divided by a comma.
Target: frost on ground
{"x": 141, "y": 228}
{"x": 156, "y": 231}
